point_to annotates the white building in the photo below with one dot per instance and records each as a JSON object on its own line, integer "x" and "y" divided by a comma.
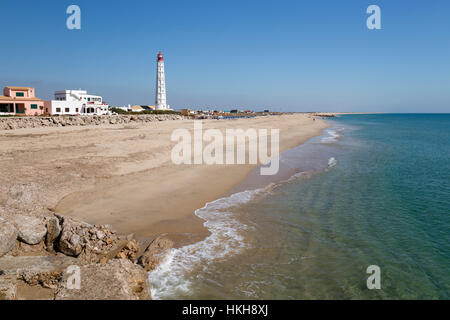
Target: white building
{"x": 76, "y": 102}
{"x": 160, "y": 96}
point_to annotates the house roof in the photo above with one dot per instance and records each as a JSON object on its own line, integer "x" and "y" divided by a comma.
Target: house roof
{"x": 19, "y": 99}
{"x": 19, "y": 88}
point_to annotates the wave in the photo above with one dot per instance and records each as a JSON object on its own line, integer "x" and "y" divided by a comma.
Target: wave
{"x": 175, "y": 276}
{"x": 333, "y": 135}
{"x": 171, "y": 277}
{"x": 332, "y": 162}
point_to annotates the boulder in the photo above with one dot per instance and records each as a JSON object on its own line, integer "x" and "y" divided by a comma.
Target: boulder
{"x": 8, "y": 236}
{"x": 31, "y": 229}
{"x": 89, "y": 243}
{"x": 155, "y": 253}
{"x": 73, "y": 236}
{"x": 114, "y": 280}
{"x": 53, "y": 232}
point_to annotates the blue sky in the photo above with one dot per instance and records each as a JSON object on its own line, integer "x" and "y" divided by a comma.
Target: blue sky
{"x": 283, "y": 55}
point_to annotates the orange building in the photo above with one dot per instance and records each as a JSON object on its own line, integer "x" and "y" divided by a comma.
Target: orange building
{"x": 20, "y": 101}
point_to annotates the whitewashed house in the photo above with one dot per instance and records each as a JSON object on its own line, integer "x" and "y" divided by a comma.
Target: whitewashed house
{"x": 76, "y": 102}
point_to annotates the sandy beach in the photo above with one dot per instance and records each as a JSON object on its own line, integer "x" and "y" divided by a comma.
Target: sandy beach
{"x": 122, "y": 175}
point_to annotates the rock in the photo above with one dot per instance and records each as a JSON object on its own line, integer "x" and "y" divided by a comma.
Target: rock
{"x": 155, "y": 253}
{"x": 70, "y": 241}
{"x": 46, "y": 279}
{"x": 88, "y": 243}
{"x": 8, "y": 236}
{"x": 100, "y": 234}
{"x": 37, "y": 264}
{"x": 11, "y": 123}
{"x": 8, "y": 288}
{"x": 129, "y": 251}
{"x": 53, "y": 232}
{"x": 114, "y": 280}
{"x": 31, "y": 229}
{"x": 37, "y": 277}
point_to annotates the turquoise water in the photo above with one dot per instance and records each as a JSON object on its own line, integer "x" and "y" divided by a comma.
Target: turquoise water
{"x": 373, "y": 190}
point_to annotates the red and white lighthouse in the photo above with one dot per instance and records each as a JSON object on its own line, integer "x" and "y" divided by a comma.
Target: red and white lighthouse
{"x": 160, "y": 98}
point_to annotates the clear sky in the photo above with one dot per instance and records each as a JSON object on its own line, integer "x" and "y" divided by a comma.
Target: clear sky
{"x": 283, "y": 55}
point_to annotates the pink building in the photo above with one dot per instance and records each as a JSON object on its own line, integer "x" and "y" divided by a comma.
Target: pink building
{"x": 20, "y": 101}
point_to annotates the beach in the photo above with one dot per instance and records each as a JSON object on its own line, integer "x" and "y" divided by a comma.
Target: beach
{"x": 123, "y": 176}
{"x": 355, "y": 196}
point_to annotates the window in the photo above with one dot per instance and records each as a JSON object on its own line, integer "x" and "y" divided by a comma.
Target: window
{"x": 58, "y": 109}
{"x": 34, "y": 106}
{"x": 20, "y": 94}
{"x": 76, "y": 109}
{"x": 4, "y": 107}
{"x": 67, "y": 110}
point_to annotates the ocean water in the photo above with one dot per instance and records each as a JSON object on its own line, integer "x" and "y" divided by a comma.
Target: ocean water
{"x": 372, "y": 190}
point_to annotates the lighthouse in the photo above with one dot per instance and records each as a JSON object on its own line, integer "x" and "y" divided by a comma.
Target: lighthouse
{"x": 160, "y": 99}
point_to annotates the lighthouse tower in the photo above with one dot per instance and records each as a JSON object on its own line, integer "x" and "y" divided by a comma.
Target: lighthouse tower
{"x": 160, "y": 99}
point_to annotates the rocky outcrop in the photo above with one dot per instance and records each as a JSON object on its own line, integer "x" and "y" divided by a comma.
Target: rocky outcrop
{"x": 87, "y": 242}
{"x": 155, "y": 253}
{"x": 108, "y": 263}
{"x": 8, "y": 236}
{"x": 116, "y": 280}
{"x": 37, "y": 275}
{"x": 11, "y": 123}
{"x": 31, "y": 229}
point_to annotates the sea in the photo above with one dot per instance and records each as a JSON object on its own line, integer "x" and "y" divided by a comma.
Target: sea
{"x": 372, "y": 190}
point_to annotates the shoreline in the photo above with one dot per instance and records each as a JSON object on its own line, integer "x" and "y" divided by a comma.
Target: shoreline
{"x": 227, "y": 219}
{"x": 62, "y": 184}
{"x": 170, "y": 209}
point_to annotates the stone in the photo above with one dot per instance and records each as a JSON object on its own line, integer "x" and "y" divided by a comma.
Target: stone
{"x": 53, "y": 232}
{"x": 70, "y": 241}
{"x": 99, "y": 234}
{"x": 11, "y": 123}
{"x": 155, "y": 253}
{"x": 88, "y": 243}
{"x": 37, "y": 264}
{"x": 114, "y": 280}
{"x": 8, "y": 288}
{"x": 45, "y": 279}
{"x": 31, "y": 229}
{"x": 32, "y": 277}
{"x": 8, "y": 236}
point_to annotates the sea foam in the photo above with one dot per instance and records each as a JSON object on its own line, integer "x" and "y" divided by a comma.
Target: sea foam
{"x": 333, "y": 135}
{"x": 332, "y": 162}
{"x": 172, "y": 277}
